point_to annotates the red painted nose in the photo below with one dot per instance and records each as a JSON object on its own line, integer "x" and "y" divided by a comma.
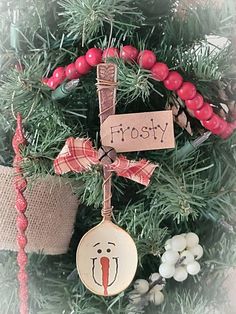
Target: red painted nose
{"x": 105, "y": 263}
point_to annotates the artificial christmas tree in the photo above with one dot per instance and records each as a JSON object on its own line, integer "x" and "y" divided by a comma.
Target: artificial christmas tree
{"x": 165, "y": 60}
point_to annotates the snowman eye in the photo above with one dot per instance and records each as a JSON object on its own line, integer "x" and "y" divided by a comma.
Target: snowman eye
{"x": 99, "y": 251}
{"x": 108, "y": 250}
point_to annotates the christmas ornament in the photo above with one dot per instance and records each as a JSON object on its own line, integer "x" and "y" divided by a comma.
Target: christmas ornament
{"x": 102, "y": 253}
{"x": 146, "y": 59}
{"x": 180, "y": 258}
{"x": 20, "y": 184}
{"x": 159, "y": 71}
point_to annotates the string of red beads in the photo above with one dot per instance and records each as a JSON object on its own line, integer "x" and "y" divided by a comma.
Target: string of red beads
{"x": 21, "y": 221}
{"x": 146, "y": 59}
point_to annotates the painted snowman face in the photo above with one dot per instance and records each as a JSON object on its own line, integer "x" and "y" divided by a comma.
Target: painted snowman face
{"x": 106, "y": 259}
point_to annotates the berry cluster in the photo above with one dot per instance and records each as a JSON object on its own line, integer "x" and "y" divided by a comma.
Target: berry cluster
{"x": 180, "y": 258}
{"x": 146, "y": 59}
{"x": 146, "y": 292}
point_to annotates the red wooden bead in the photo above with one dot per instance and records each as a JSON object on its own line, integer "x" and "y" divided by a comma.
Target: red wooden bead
{"x": 221, "y": 127}
{"x": 82, "y": 65}
{"x": 146, "y": 59}
{"x": 128, "y": 53}
{"x": 59, "y": 74}
{"x": 187, "y": 91}
{"x": 212, "y": 123}
{"x": 160, "y": 71}
{"x": 227, "y": 132}
{"x": 173, "y": 81}
{"x": 94, "y": 56}
{"x": 111, "y": 53}
{"x": 205, "y": 113}
{"x": 53, "y": 83}
{"x": 196, "y": 103}
{"x": 71, "y": 72}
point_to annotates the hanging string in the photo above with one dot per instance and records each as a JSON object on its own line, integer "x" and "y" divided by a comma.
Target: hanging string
{"x": 20, "y": 185}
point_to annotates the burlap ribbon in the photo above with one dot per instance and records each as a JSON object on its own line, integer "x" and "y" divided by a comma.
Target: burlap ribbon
{"x": 78, "y": 155}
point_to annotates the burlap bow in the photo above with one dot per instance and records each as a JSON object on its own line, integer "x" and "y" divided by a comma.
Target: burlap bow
{"x": 79, "y": 155}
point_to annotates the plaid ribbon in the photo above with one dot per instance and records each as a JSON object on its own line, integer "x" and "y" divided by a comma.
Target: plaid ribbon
{"x": 79, "y": 155}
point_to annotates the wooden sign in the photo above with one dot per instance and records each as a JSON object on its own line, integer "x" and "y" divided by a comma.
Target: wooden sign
{"x": 139, "y": 131}
{"x": 106, "y": 259}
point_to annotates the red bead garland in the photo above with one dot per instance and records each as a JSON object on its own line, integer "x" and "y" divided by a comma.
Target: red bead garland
{"x": 159, "y": 71}
{"x": 21, "y": 221}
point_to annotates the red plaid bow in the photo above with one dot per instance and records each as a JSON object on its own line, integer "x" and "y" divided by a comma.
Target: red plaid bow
{"x": 78, "y": 155}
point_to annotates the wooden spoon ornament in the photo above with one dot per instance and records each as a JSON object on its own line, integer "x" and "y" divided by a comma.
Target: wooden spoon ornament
{"x": 106, "y": 257}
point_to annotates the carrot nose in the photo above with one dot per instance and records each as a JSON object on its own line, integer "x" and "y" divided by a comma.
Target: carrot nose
{"x": 105, "y": 263}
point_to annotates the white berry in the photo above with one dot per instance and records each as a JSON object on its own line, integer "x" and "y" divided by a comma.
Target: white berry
{"x": 193, "y": 268}
{"x": 188, "y": 257}
{"x": 168, "y": 245}
{"x": 166, "y": 270}
{"x": 154, "y": 277}
{"x": 141, "y": 286}
{"x": 156, "y": 297}
{"x": 157, "y": 277}
{"x": 197, "y": 251}
{"x": 178, "y": 243}
{"x": 134, "y": 298}
{"x": 192, "y": 239}
{"x": 170, "y": 257}
{"x": 183, "y": 234}
{"x": 180, "y": 274}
